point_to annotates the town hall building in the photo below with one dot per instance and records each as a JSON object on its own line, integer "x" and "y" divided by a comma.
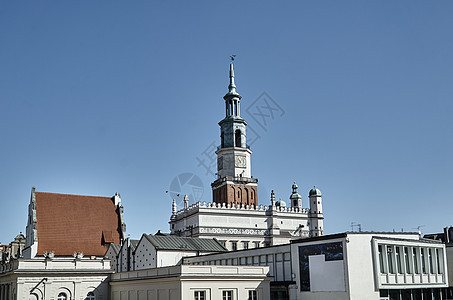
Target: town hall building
{"x": 234, "y": 217}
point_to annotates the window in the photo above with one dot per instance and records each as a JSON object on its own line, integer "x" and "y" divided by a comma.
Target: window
{"x": 62, "y": 296}
{"x": 245, "y": 245}
{"x": 430, "y": 261}
{"x": 252, "y": 295}
{"x": 200, "y": 295}
{"x": 381, "y": 259}
{"x": 227, "y": 295}
{"x": 406, "y": 259}
{"x": 390, "y": 259}
{"x": 234, "y": 246}
{"x": 440, "y": 261}
{"x": 237, "y": 138}
{"x": 257, "y": 244}
{"x": 422, "y": 257}
{"x": 399, "y": 266}
{"x": 90, "y": 296}
{"x": 415, "y": 259}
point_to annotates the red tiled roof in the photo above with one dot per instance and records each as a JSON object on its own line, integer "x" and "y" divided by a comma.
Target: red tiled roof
{"x": 68, "y": 223}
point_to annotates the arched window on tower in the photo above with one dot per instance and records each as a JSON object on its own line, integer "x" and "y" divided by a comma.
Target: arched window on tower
{"x": 237, "y": 138}
{"x": 247, "y": 197}
{"x": 222, "y": 139}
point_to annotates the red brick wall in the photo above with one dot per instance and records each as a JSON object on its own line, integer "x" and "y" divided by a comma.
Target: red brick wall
{"x": 235, "y": 193}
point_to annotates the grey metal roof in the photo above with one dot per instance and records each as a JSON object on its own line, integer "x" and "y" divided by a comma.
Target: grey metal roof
{"x": 172, "y": 242}
{"x": 134, "y": 244}
{"x": 116, "y": 248}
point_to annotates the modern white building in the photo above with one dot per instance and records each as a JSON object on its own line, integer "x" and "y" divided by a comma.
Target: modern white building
{"x": 352, "y": 265}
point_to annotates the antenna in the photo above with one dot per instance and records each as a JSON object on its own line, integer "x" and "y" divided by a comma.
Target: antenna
{"x": 418, "y": 229}
{"x": 355, "y": 224}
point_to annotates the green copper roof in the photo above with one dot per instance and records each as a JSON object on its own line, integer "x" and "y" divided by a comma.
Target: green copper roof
{"x": 281, "y": 203}
{"x": 315, "y": 192}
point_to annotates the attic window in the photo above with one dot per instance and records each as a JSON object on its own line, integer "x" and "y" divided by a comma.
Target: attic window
{"x": 107, "y": 236}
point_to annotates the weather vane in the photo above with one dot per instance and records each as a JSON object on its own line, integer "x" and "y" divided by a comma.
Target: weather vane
{"x": 232, "y": 57}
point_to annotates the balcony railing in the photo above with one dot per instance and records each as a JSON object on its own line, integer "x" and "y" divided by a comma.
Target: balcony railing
{"x": 246, "y": 146}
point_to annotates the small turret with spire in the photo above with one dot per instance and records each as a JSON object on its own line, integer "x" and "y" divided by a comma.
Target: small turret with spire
{"x": 173, "y": 208}
{"x": 296, "y": 198}
{"x": 232, "y": 98}
{"x": 186, "y": 201}
{"x": 272, "y": 199}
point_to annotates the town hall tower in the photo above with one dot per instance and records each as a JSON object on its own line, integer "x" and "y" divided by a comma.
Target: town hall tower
{"x": 234, "y": 184}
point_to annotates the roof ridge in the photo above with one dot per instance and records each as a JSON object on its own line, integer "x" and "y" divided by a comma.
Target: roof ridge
{"x": 89, "y": 196}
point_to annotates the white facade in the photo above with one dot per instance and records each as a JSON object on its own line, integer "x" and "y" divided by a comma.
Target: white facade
{"x": 147, "y": 255}
{"x": 367, "y": 266}
{"x": 185, "y": 282}
{"x": 242, "y": 227}
{"x": 276, "y": 258}
{"x": 45, "y": 279}
{"x": 348, "y": 266}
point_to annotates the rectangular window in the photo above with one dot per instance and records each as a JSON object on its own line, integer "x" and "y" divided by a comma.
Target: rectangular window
{"x": 406, "y": 259}
{"x": 253, "y": 295}
{"x": 245, "y": 245}
{"x": 422, "y": 257}
{"x": 390, "y": 259}
{"x": 200, "y": 295}
{"x": 399, "y": 266}
{"x": 257, "y": 244}
{"x": 381, "y": 259}
{"x": 415, "y": 259}
{"x": 227, "y": 295}
{"x": 430, "y": 261}
{"x": 234, "y": 246}
{"x": 440, "y": 261}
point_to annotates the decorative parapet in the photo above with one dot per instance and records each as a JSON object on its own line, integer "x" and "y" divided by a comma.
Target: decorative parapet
{"x": 238, "y": 179}
{"x": 57, "y": 265}
{"x": 222, "y": 206}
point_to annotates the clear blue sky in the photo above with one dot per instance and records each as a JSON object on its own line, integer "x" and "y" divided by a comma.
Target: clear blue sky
{"x": 98, "y": 97}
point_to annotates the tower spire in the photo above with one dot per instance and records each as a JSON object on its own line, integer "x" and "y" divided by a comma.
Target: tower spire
{"x": 232, "y": 86}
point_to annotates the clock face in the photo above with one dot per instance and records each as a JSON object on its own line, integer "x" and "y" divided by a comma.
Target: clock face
{"x": 220, "y": 163}
{"x": 240, "y": 162}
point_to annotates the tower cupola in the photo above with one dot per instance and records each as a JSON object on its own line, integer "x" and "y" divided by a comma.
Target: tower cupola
{"x": 296, "y": 199}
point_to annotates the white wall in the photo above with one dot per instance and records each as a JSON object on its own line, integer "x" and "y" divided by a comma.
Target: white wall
{"x": 171, "y": 284}
{"x": 361, "y": 273}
